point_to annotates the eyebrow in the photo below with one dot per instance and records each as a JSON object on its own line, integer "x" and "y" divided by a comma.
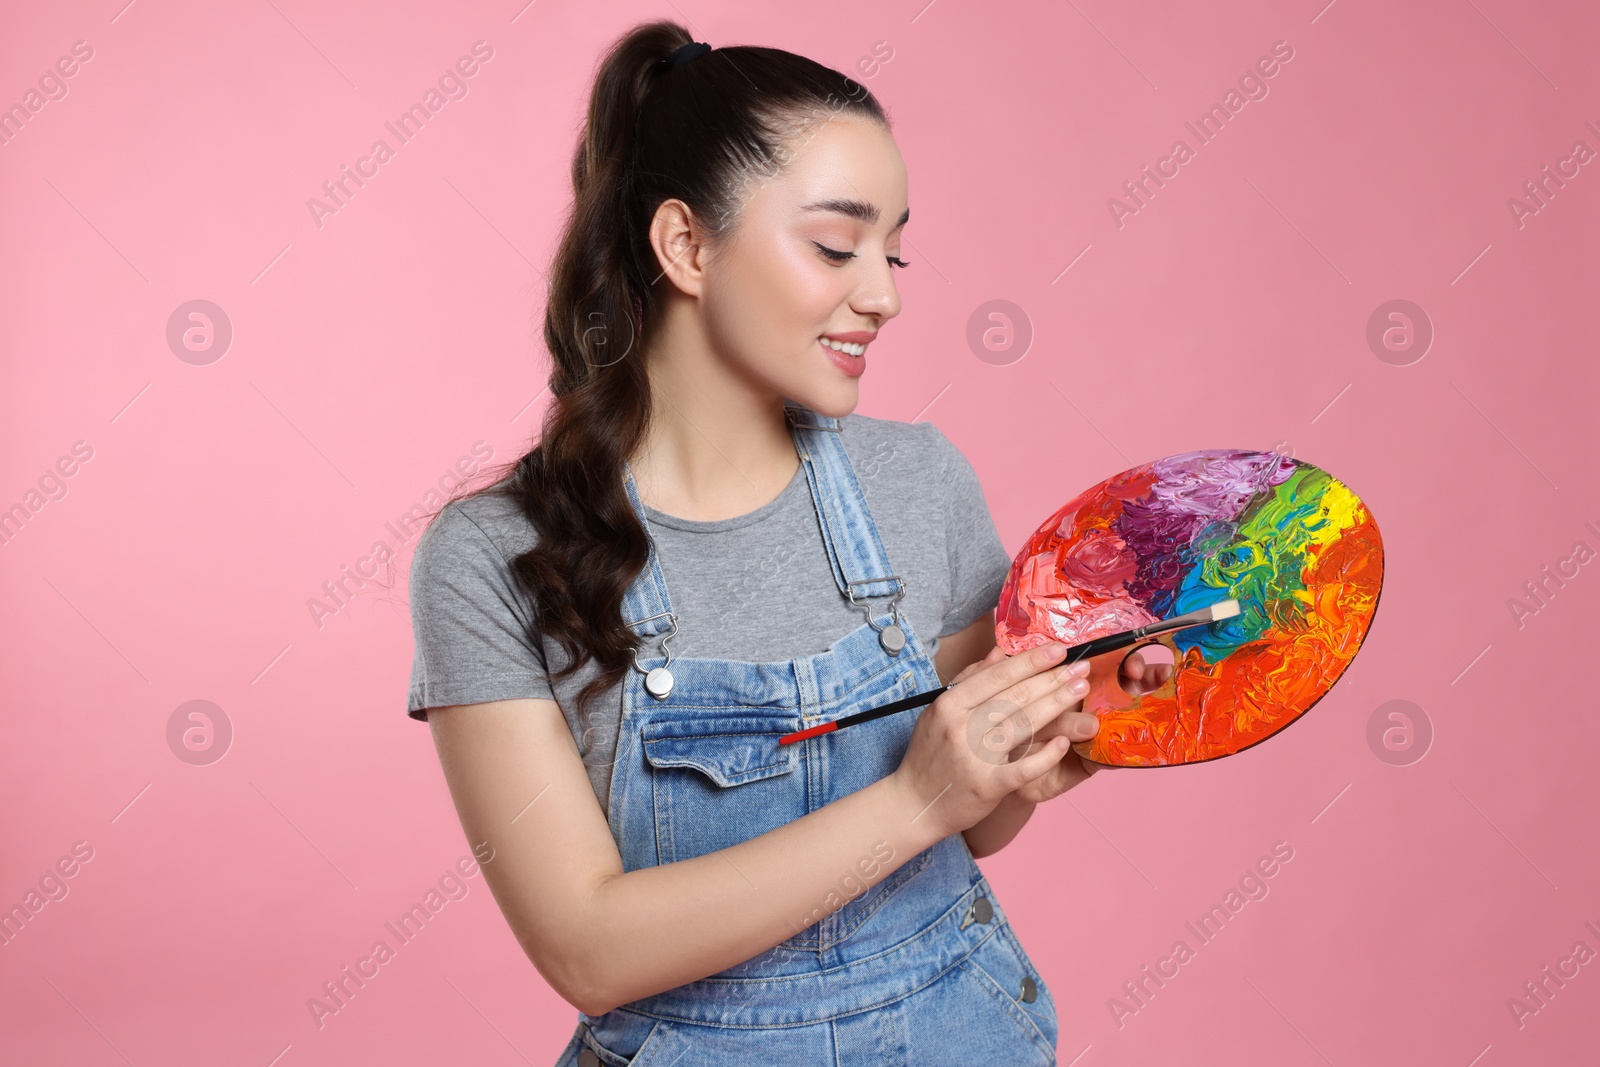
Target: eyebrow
{"x": 856, "y": 209}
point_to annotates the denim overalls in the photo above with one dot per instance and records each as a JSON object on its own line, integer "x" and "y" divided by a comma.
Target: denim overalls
{"x": 923, "y": 968}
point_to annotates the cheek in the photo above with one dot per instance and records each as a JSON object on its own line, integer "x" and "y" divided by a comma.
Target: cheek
{"x": 776, "y": 297}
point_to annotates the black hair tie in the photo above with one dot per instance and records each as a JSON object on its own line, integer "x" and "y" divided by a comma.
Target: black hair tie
{"x": 687, "y": 52}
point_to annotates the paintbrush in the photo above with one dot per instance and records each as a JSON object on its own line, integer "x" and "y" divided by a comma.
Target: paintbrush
{"x": 1224, "y": 609}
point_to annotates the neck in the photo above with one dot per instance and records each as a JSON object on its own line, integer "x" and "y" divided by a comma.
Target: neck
{"x": 718, "y": 444}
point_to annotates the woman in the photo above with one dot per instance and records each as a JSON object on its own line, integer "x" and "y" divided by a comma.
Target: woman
{"x": 611, "y": 639}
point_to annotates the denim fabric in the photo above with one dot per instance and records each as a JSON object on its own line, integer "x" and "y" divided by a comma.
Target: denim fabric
{"x": 902, "y": 974}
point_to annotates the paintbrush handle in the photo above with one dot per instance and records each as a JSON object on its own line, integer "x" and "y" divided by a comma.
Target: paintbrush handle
{"x": 1101, "y": 645}
{"x": 915, "y": 700}
{"x": 1087, "y": 649}
{"x": 1111, "y": 642}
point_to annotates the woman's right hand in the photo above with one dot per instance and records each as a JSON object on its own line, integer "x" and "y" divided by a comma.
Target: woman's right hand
{"x": 957, "y": 766}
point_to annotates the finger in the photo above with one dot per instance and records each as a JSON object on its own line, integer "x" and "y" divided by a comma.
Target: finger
{"x": 1133, "y": 667}
{"x": 1023, "y": 723}
{"x": 1035, "y": 738}
{"x": 1075, "y": 725}
{"x": 1028, "y": 746}
{"x": 1083, "y": 725}
{"x": 1034, "y": 765}
{"x": 1021, "y": 678}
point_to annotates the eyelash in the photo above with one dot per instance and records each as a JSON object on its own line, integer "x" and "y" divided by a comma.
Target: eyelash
{"x": 839, "y": 257}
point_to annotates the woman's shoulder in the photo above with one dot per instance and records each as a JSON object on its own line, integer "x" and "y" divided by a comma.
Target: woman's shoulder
{"x": 475, "y": 523}
{"x": 914, "y": 448}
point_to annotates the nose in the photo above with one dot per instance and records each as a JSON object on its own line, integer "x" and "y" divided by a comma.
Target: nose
{"x": 877, "y": 295}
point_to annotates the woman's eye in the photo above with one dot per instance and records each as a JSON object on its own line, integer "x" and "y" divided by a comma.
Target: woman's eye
{"x": 839, "y": 257}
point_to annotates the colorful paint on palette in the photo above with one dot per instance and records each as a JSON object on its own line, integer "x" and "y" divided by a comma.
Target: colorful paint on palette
{"x": 1292, "y": 544}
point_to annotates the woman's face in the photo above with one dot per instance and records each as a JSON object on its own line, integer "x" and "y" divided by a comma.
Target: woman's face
{"x": 810, "y": 256}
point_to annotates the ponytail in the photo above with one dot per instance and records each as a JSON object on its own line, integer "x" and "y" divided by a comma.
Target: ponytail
{"x": 698, "y": 132}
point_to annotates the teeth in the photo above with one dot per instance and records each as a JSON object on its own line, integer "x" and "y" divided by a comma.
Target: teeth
{"x": 848, "y": 349}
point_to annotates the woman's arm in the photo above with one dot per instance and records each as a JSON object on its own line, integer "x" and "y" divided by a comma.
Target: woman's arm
{"x": 999, "y": 827}
{"x": 996, "y": 830}
{"x": 602, "y": 937}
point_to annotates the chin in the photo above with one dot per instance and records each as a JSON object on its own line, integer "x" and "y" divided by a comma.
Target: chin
{"x": 834, "y": 401}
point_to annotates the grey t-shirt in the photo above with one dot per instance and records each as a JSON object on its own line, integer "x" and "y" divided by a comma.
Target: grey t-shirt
{"x": 756, "y": 587}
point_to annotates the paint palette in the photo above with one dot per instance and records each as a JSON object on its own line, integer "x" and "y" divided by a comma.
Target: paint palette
{"x": 1291, "y": 543}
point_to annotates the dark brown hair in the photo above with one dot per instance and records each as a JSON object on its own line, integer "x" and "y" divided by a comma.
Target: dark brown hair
{"x": 701, "y": 132}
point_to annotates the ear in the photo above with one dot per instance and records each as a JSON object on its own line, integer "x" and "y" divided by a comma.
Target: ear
{"x": 678, "y": 240}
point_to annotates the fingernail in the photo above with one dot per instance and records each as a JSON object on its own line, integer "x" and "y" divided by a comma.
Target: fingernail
{"x": 1086, "y": 727}
{"x": 1079, "y": 687}
{"x": 1055, "y": 648}
{"x": 1080, "y": 668}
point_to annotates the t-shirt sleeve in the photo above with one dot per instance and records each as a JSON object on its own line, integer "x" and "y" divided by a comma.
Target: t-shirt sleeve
{"x": 470, "y": 622}
{"x": 979, "y": 562}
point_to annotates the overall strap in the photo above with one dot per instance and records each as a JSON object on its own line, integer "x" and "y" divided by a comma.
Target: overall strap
{"x": 855, "y": 551}
{"x": 646, "y": 607}
{"x": 860, "y": 564}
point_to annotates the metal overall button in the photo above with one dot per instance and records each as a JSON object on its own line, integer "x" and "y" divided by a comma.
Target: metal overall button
{"x": 1030, "y": 989}
{"x": 980, "y": 912}
{"x": 657, "y": 680}
{"x": 892, "y": 636}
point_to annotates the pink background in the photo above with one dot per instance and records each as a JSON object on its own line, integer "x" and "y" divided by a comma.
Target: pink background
{"x": 371, "y": 353}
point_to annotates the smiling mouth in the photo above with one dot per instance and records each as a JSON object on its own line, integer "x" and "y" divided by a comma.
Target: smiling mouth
{"x": 846, "y": 347}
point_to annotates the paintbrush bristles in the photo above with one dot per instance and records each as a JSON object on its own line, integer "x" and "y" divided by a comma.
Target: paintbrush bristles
{"x": 1222, "y": 609}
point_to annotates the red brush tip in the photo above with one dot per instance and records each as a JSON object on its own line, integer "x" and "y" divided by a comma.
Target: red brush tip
{"x": 813, "y": 731}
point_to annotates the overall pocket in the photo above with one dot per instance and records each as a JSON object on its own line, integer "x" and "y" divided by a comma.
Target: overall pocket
{"x": 1004, "y": 968}
{"x": 615, "y": 1039}
{"x": 719, "y": 777}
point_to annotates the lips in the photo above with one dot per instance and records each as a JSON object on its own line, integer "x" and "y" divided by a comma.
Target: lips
{"x": 851, "y": 365}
